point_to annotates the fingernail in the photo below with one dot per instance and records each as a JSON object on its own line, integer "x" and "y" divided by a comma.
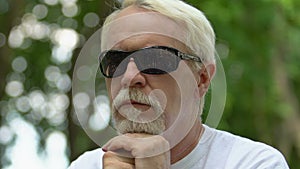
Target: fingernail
{"x": 104, "y": 150}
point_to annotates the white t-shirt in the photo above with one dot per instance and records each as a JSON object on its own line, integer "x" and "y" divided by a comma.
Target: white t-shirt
{"x": 215, "y": 150}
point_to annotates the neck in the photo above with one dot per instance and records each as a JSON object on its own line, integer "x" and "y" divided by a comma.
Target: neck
{"x": 183, "y": 148}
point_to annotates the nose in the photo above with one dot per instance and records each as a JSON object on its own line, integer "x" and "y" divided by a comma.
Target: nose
{"x": 132, "y": 76}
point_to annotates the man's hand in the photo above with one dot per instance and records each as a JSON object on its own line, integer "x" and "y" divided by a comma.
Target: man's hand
{"x": 139, "y": 151}
{"x": 112, "y": 160}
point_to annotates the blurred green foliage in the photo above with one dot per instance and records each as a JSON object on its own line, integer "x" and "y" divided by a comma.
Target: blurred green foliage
{"x": 262, "y": 69}
{"x": 258, "y": 43}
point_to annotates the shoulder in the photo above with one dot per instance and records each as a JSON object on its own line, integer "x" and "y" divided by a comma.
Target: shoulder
{"x": 256, "y": 155}
{"x": 246, "y": 153}
{"x": 88, "y": 160}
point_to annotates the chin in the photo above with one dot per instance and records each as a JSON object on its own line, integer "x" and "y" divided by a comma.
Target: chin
{"x": 155, "y": 127}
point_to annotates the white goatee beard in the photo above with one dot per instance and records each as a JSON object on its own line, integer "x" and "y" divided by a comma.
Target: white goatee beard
{"x": 123, "y": 125}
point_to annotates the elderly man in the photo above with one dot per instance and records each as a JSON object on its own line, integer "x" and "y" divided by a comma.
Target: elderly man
{"x": 158, "y": 61}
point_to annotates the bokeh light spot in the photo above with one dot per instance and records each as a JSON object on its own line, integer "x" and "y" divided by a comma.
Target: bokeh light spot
{"x": 19, "y": 64}
{"x": 23, "y": 104}
{"x": 81, "y": 100}
{"x": 15, "y": 38}
{"x": 56, "y": 143}
{"x": 223, "y": 50}
{"x": 60, "y": 101}
{"x": 14, "y": 88}
{"x": 55, "y": 109}
{"x": 65, "y": 37}
{"x": 40, "y": 11}
{"x": 40, "y": 31}
{"x": 70, "y": 10}
{"x": 37, "y": 100}
{"x": 51, "y": 2}
{"x": 52, "y": 73}
{"x": 91, "y": 20}
{"x": 64, "y": 83}
{"x": 84, "y": 73}
{"x": 100, "y": 118}
{"x": 67, "y": 2}
{"x": 61, "y": 54}
{"x": 28, "y": 21}
{"x": 6, "y": 135}
{"x": 24, "y": 153}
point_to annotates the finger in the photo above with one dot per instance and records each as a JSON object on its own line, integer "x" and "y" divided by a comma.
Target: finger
{"x": 119, "y": 142}
{"x": 108, "y": 144}
{"x": 125, "y": 139}
{"x": 124, "y": 153}
{"x": 111, "y": 159}
{"x": 117, "y": 165}
{"x": 126, "y": 160}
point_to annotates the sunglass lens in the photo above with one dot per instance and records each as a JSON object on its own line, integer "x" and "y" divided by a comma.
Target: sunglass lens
{"x": 151, "y": 60}
{"x": 113, "y": 64}
{"x": 156, "y": 61}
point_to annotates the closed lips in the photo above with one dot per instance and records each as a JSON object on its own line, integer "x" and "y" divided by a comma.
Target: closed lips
{"x": 132, "y": 102}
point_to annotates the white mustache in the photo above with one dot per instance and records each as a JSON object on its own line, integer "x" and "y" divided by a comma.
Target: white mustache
{"x": 127, "y": 95}
{"x": 133, "y": 122}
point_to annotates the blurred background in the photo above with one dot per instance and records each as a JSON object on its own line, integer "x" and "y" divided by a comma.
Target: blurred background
{"x": 257, "y": 40}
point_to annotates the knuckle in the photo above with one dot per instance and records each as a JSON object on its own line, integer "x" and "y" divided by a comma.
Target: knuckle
{"x": 108, "y": 154}
{"x": 161, "y": 142}
{"x": 109, "y": 163}
{"x": 116, "y": 165}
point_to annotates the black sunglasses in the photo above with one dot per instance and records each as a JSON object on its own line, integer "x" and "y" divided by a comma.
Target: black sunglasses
{"x": 154, "y": 60}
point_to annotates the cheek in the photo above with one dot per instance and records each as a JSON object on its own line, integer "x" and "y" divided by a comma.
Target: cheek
{"x": 172, "y": 111}
{"x": 173, "y": 96}
{"x": 180, "y": 91}
{"x": 111, "y": 90}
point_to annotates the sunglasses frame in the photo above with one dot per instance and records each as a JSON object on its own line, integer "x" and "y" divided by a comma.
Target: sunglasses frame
{"x": 179, "y": 54}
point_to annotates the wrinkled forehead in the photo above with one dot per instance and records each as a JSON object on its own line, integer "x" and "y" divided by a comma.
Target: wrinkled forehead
{"x": 139, "y": 24}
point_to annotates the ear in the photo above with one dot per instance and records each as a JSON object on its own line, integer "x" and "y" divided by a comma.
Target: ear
{"x": 205, "y": 75}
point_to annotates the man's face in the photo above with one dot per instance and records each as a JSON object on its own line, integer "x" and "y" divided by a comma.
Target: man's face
{"x": 148, "y": 103}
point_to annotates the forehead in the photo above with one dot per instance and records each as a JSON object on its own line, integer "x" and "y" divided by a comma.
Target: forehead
{"x": 148, "y": 40}
{"x": 134, "y": 22}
